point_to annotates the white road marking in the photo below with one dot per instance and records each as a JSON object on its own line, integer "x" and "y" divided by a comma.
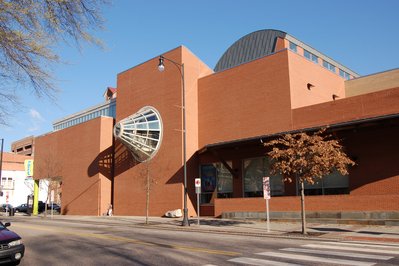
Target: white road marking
{"x": 259, "y": 262}
{"x": 347, "y": 248}
{"x": 362, "y": 245}
{"x": 315, "y": 259}
{"x": 338, "y": 253}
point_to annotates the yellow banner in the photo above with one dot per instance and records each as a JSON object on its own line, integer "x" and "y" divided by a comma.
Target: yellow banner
{"x": 28, "y": 167}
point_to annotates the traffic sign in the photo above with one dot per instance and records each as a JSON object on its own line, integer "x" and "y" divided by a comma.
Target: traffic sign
{"x": 198, "y": 182}
{"x": 266, "y": 195}
{"x": 198, "y": 185}
{"x": 266, "y": 187}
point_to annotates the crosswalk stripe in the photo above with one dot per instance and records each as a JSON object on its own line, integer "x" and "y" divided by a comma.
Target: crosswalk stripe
{"x": 363, "y": 245}
{"x": 360, "y": 249}
{"x": 377, "y": 244}
{"x": 259, "y": 262}
{"x": 315, "y": 259}
{"x": 338, "y": 253}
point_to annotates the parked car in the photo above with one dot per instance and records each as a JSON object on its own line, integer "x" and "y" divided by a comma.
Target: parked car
{"x": 54, "y": 206}
{"x": 22, "y": 208}
{"x": 11, "y": 247}
{"x": 7, "y": 208}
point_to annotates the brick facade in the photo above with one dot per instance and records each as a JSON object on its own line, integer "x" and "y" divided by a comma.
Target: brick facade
{"x": 229, "y": 113}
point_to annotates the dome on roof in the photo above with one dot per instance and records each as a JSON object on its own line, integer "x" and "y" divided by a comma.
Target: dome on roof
{"x": 250, "y": 47}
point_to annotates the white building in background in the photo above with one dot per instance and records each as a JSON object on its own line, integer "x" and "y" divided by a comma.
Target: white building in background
{"x": 14, "y": 184}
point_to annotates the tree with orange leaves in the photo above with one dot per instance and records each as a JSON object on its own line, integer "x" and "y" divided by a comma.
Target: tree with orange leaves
{"x": 308, "y": 158}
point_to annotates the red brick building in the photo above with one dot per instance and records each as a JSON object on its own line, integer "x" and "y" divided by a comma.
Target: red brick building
{"x": 266, "y": 83}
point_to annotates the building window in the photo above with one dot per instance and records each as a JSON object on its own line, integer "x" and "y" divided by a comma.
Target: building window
{"x": 293, "y": 47}
{"x": 310, "y": 56}
{"x": 332, "y": 184}
{"x": 7, "y": 183}
{"x": 216, "y": 178}
{"x": 254, "y": 171}
{"x": 224, "y": 181}
{"x": 141, "y": 133}
{"x": 344, "y": 74}
{"x": 329, "y": 66}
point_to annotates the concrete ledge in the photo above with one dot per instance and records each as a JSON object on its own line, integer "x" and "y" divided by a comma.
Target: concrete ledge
{"x": 364, "y": 218}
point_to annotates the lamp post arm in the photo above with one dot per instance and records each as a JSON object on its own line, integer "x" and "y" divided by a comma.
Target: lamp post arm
{"x": 179, "y": 66}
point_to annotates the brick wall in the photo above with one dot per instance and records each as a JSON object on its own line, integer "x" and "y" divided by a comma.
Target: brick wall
{"x": 312, "y": 203}
{"x": 80, "y": 155}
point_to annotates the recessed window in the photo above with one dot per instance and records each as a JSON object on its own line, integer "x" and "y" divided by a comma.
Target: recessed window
{"x": 293, "y": 47}
{"x": 332, "y": 184}
{"x": 329, "y": 66}
{"x": 254, "y": 170}
{"x": 344, "y": 74}
{"x": 310, "y": 56}
{"x": 216, "y": 177}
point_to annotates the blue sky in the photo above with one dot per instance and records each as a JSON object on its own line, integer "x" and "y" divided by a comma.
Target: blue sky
{"x": 362, "y": 35}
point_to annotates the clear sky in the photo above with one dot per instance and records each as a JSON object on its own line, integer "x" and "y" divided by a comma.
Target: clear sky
{"x": 363, "y": 35}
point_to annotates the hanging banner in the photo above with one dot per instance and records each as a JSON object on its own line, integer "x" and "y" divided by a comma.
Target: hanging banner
{"x": 28, "y": 167}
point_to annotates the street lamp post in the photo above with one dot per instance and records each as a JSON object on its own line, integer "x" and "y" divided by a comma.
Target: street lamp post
{"x": 1, "y": 165}
{"x": 161, "y": 67}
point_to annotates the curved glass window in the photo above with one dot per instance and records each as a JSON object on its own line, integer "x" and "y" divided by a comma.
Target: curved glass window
{"x": 141, "y": 133}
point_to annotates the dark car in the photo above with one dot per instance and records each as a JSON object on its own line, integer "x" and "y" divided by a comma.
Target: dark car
{"x": 54, "y": 206}
{"x": 22, "y": 208}
{"x": 11, "y": 248}
{"x": 7, "y": 208}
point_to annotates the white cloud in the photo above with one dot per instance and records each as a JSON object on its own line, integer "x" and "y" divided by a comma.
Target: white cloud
{"x": 34, "y": 114}
{"x": 36, "y": 119}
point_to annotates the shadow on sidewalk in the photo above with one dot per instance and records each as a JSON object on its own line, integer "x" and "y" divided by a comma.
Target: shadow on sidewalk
{"x": 322, "y": 229}
{"x": 219, "y": 223}
{"x": 376, "y": 233}
{"x": 329, "y": 229}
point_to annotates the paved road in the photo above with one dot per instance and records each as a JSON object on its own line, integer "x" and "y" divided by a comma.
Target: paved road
{"x": 62, "y": 242}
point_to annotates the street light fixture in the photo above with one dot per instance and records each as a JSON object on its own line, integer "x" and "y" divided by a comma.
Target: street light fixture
{"x": 161, "y": 68}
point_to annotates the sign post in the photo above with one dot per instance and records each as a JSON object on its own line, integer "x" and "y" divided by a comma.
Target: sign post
{"x": 52, "y": 202}
{"x": 266, "y": 196}
{"x": 7, "y": 197}
{"x": 198, "y": 191}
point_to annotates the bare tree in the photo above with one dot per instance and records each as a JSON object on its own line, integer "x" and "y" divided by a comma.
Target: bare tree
{"x": 29, "y": 31}
{"x": 50, "y": 170}
{"x": 308, "y": 158}
{"x": 148, "y": 184}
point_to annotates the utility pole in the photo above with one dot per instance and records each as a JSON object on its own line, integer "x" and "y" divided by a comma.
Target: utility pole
{"x": 1, "y": 165}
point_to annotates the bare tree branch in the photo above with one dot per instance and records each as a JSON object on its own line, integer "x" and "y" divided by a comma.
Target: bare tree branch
{"x": 29, "y": 31}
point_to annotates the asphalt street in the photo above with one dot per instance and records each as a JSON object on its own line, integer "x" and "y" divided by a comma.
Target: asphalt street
{"x": 128, "y": 241}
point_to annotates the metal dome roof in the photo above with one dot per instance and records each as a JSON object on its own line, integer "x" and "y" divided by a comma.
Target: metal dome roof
{"x": 250, "y": 47}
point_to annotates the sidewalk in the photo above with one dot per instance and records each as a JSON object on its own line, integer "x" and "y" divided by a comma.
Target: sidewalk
{"x": 338, "y": 232}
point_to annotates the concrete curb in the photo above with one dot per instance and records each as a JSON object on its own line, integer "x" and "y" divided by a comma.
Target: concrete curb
{"x": 235, "y": 227}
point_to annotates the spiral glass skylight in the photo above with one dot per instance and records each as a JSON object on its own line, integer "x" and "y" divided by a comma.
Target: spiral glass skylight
{"x": 141, "y": 133}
